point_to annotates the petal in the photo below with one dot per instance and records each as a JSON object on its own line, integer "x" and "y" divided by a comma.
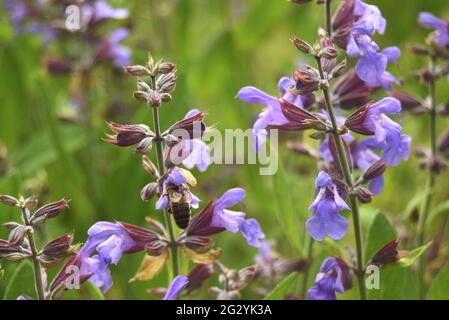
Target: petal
{"x": 252, "y": 232}
{"x": 230, "y": 198}
{"x": 162, "y": 203}
{"x": 176, "y": 286}
{"x": 228, "y": 219}
{"x": 254, "y": 95}
{"x": 316, "y": 227}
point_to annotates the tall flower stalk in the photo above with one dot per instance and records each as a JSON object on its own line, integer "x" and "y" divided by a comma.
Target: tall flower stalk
{"x": 433, "y": 160}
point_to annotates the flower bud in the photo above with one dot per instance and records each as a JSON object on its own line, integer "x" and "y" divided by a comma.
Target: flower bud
{"x": 166, "y": 83}
{"x": 171, "y": 140}
{"x": 144, "y": 146}
{"x": 127, "y": 135}
{"x": 199, "y": 274}
{"x": 137, "y": 71}
{"x": 149, "y": 166}
{"x": 339, "y": 69}
{"x": 375, "y": 170}
{"x": 154, "y": 99}
{"x": 329, "y": 53}
{"x": 302, "y": 46}
{"x": 140, "y": 96}
{"x": 11, "y": 225}
{"x": 50, "y": 210}
{"x": 364, "y": 195}
{"x": 356, "y": 121}
{"x": 307, "y": 81}
{"x": 17, "y": 235}
{"x": 143, "y": 86}
{"x": 387, "y": 254}
{"x": 148, "y": 191}
{"x": 419, "y": 49}
{"x": 163, "y": 67}
{"x": 60, "y": 247}
{"x": 166, "y": 97}
{"x": 193, "y": 125}
{"x": 9, "y": 200}
{"x": 31, "y": 202}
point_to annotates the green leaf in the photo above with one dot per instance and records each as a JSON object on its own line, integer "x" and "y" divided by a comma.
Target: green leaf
{"x": 286, "y": 212}
{"x": 94, "y": 292}
{"x": 396, "y": 283}
{"x": 437, "y": 213}
{"x": 413, "y": 255}
{"x": 21, "y": 282}
{"x": 438, "y": 287}
{"x": 287, "y": 285}
{"x": 380, "y": 232}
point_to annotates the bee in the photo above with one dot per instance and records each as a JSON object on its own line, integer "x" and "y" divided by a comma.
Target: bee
{"x": 179, "y": 204}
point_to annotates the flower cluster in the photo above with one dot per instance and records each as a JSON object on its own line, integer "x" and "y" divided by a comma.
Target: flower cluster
{"x": 180, "y": 145}
{"x": 367, "y": 140}
{"x": 21, "y": 242}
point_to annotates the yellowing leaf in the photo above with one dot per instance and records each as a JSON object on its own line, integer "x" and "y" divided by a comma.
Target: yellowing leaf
{"x": 205, "y": 258}
{"x": 150, "y": 267}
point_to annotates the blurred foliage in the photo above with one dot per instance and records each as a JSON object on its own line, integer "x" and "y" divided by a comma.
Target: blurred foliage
{"x": 219, "y": 47}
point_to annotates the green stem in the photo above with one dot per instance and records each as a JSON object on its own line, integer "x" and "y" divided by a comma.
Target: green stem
{"x": 39, "y": 283}
{"x": 161, "y": 168}
{"x": 305, "y": 279}
{"x": 430, "y": 184}
{"x": 345, "y": 169}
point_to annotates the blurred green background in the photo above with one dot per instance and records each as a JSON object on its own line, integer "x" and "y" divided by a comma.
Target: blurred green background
{"x": 219, "y": 47}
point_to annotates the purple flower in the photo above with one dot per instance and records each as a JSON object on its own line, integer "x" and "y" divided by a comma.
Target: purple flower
{"x": 19, "y": 12}
{"x": 326, "y": 206}
{"x": 175, "y": 178}
{"x": 100, "y": 10}
{"x": 110, "y": 241}
{"x": 364, "y": 157}
{"x": 178, "y": 284}
{"x": 110, "y": 49}
{"x": 198, "y": 151}
{"x": 272, "y": 114}
{"x": 334, "y": 276}
{"x": 372, "y": 64}
{"x": 234, "y": 221}
{"x": 387, "y": 132}
{"x": 441, "y": 33}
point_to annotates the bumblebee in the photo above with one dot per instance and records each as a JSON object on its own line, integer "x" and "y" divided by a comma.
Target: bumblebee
{"x": 180, "y": 204}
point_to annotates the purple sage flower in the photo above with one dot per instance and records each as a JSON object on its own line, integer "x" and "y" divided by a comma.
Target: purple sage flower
{"x": 326, "y": 206}
{"x": 198, "y": 151}
{"x": 272, "y": 114}
{"x": 234, "y": 221}
{"x": 363, "y": 157}
{"x": 441, "y": 33}
{"x": 110, "y": 241}
{"x": 178, "y": 284}
{"x": 111, "y": 49}
{"x": 100, "y": 10}
{"x": 395, "y": 146}
{"x": 334, "y": 276}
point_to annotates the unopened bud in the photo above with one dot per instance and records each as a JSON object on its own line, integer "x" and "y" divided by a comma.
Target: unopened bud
{"x": 375, "y": 170}
{"x": 148, "y": 191}
{"x": 59, "y": 248}
{"x": 419, "y": 49}
{"x": 329, "y": 53}
{"x": 137, "y": 71}
{"x": 387, "y": 254}
{"x": 302, "y": 46}
{"x": 307, "y": 81}
{"x": 166, "y": 83}
{"x": 364, "y": 195}
{"x": 164, "y": 67}
{"x": 144, "y": 146}
{"x": 154, "y": 99}
{"x": 9, "y": 200}
{"x": 31, "y": 202}
{"x": 149, "y": 166}
{"x": 50, "y": 210}
{"x": 171, "y": 140}
{"x": 140, "y": 95}
{"x": 143, "y": 86}
{"x": 339, "y": 69}
{"x": 166, "y": 97}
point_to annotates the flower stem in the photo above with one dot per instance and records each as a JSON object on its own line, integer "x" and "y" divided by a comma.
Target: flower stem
{"x": 39, "y": 283}
{"x": 161, "y": 168}
{"x": 305, "y": 279}
{"x": 345, "y": 169}
{"x": 424, "y": 212}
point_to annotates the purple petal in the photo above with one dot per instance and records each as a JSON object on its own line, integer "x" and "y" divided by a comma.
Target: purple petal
{"x": 176, "y": 286}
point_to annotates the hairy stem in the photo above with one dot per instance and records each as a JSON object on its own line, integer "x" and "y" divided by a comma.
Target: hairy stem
{"x": 345, "y": 169}
{"x": 161, "y": 168}
{"x": 424, "y": 212}
{"x": 305, "y": 279}
{"x": 39, "y": 283}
